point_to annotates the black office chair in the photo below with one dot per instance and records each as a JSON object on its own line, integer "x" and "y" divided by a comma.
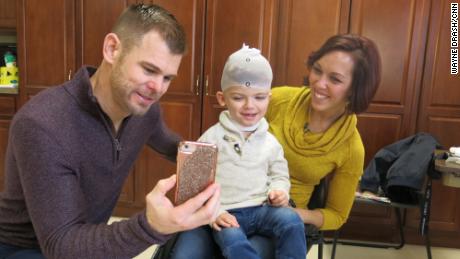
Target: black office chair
{"x": 424, "y": 203}
{"x": 314, "y": 236}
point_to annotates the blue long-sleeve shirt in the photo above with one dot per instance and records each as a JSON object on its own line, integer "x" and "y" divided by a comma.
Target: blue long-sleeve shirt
{"x": 65, "y": 169}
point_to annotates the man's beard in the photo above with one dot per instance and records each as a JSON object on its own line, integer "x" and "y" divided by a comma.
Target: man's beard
{"x": 120, "y": 88}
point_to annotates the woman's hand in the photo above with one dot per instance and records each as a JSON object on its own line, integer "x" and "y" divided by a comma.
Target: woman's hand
{"x": 278, "y": 198}
{"x": 225, "y": 220}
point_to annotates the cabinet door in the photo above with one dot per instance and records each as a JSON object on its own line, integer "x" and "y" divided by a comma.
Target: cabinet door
{"x": 8, "y": 14}
{"x": 4, "y": 126}
{"x": 392, "y": 114}
{"x": 94, "y": 20}
{"x": 7, "y": 110}
{"x": 229, "y": 24}
{"x": 46, "y": 51}
{"x": 302, "y": 27}
{"x": 181, "y": 104}
{"x": 439, "y": 114}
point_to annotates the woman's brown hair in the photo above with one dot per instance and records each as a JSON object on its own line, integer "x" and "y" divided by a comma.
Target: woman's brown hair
{"x": 366, "y": 70}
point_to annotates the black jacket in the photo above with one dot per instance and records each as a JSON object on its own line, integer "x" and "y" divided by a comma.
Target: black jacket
{"x": 400, "y": 168}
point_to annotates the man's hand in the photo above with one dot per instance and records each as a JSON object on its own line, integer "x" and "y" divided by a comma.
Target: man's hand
{"x": 225, "y": 220}
{"x": 167, "y": 219}
{"x": 278, "y": 198}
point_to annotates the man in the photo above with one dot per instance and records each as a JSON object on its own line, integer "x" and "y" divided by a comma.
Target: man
{"x": 71, "y": 147}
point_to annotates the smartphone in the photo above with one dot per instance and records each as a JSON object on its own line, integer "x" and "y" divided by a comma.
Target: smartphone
{"x": 196, "y": 169}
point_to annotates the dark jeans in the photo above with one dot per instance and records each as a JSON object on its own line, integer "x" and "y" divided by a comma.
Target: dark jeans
{"x": 16, "y": 252}
{"x": 281, "y": 223}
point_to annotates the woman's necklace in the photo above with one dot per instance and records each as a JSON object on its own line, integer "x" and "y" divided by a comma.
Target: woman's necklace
{"x": 306, "y": 129}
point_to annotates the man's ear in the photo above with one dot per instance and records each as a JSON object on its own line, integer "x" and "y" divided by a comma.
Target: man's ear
{"x": 220, "y": 98}
{"x": 111, "y": 49}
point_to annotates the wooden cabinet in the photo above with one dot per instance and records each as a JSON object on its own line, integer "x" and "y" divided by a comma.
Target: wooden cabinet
{"x": 229, "y": 24}
{"x": 439, "y": 114}
{"x": 214, "y": 30}
{"x": 46, "y": 44}
{"x": 392, "y": 114}
{"x": 417, "y": 93}
{"x": 8, "y": 14}
{"x": 93, "y": 20}
{"x": 302, "y": 27}
{"x": 4, "y": 127}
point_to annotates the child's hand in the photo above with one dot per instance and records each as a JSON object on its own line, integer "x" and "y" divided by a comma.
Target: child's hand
{"x": 278, "y": 198}
{"x": 225, "y": 220}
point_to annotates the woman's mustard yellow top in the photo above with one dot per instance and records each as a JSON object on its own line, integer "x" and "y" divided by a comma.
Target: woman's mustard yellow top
{"x": 312, "y": 156}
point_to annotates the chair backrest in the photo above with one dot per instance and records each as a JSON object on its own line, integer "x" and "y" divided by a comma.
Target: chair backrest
{"x": 319, "y": 195}
{"x": 313, "y": 235}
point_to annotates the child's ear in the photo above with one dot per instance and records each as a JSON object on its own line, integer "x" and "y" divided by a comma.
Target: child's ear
{"x": 220, "y": 98}
{"x": 111, "y": 48}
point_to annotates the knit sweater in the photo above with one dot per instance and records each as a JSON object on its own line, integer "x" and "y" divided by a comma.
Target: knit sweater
{"x": 311, "y": 156}
{"x": 247, "y": 169}
{"x": 65, "y": 170}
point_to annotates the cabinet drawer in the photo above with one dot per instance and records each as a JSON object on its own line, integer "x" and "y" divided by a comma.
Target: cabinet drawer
{"x": 7, "y": 105}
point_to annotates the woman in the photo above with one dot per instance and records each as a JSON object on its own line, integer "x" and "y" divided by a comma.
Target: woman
{"x": 316, "y": 126}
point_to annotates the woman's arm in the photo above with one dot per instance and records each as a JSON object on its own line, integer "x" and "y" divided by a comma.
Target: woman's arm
{"x": 314, "y": 217}
{"x": 342, "y": 186}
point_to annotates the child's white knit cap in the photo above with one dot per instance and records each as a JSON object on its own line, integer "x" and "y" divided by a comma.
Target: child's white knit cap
{"x": 247, "y": 67}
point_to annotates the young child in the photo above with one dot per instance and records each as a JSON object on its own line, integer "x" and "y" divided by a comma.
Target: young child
{"x": 251, "y": 168}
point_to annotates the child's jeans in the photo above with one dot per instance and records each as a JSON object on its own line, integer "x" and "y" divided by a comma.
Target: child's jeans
{"x": 281, "y": 223}
{"x": 198, "y": 243}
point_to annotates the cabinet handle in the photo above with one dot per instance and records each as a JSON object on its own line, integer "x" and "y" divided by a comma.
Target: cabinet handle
{"x": 69, "y": 76}
{"x": 206, "y": 86}
{"x": 197, "y": 85}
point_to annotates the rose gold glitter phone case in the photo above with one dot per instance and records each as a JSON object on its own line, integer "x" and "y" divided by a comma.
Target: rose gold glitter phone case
{"x": 196, "y": 169}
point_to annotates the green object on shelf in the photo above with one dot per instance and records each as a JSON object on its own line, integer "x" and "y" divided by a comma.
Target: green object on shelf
{"x": 10, "y": 59}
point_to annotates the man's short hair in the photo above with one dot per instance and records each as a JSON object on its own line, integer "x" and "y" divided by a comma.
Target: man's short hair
{"x": 137, "y": 20}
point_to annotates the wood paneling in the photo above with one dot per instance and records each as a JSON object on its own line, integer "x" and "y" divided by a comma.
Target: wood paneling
{"x": 400, "y": 102}
{"x": 157, "y": 168}
{"x": 225, "y": 33}
{"x": 46, "y": 45}
{"x": 189, "y": 106}
{"x": 48, "y": 54}
{"x": 186, "y": 89}
{"x": 441, "y": 91}
{"x": 178, "y": 117}
{"x": 7, "y": 106}
{"x": 401, "y": 49}
{"x": 439, "y": 114}
{"x": 8, "y": 14}
{"x": 4, "y": 128}
{"x": 377, "y": 131}
{"x": 94, "y": 20}
{"x": 302, "y": 28}
{"x": 417, "y": 93}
